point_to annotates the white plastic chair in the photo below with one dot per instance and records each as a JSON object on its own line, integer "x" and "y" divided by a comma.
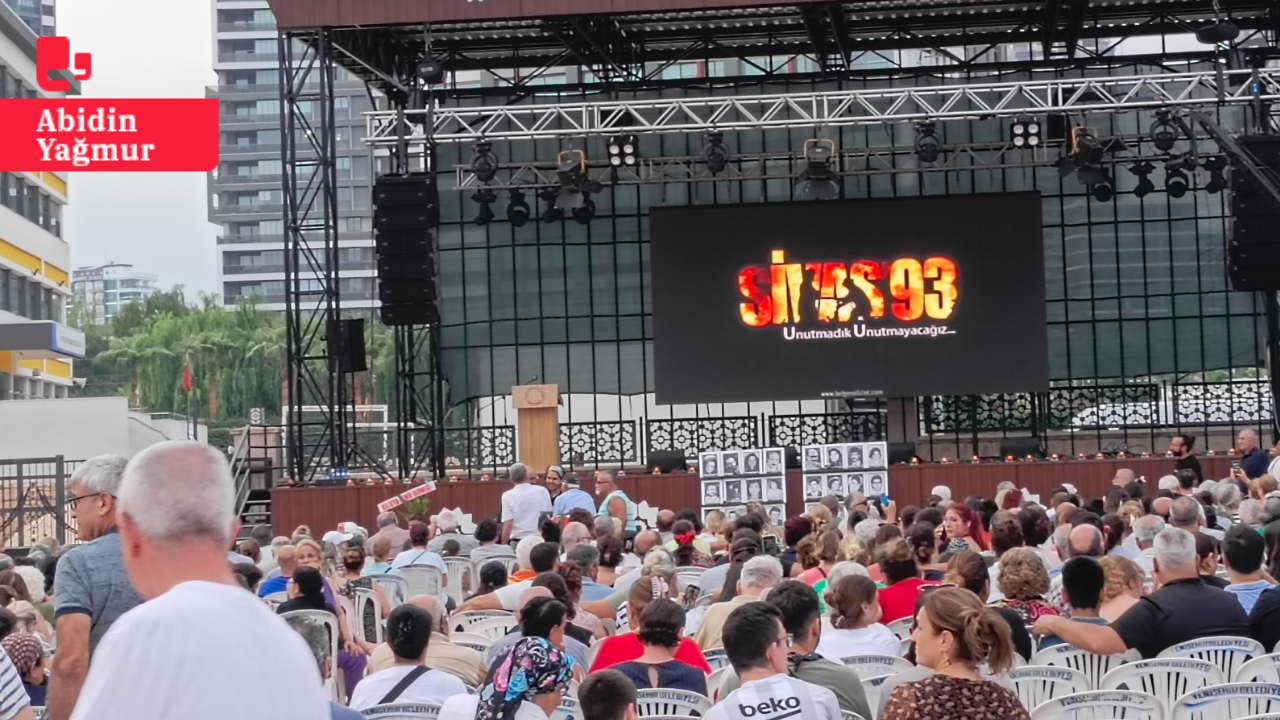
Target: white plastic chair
{"x": 568, "y": 709}
{"x": 1095, "y": 667}
{"x": 1101, "y": 705}
{"x": 1038, "y": 685}
{"x": 493, "y": 628}
{"x": 851, "y": 715}
{"x": 715, "y": 681}
{"x": 902, "y": 627}
{"x": 402, "y": 711}
{"x": 423, "y": 580}
{"x": 368, "y": 601}
{"x": 395, "y": 586}
{"x": 1265, "y": 669}
{"x": 665, "y": 701}
{"x": 873, "y": 687}
{"x": 461, "y": 621}
{"x": 479, "y": 643}
{"x": 330, "y": 623}
{"x": 460, "y": 575}
{"x": 276, "y": 597}
{"x": 716, "y": 658}
{"x": 690, "y": 575}
{"x": 507, "y": 561}
{"x": 1228, "y": 653}
{"x": 876, "y": 665}
{"x": 1228, "y": 702}
{"x": 1166, "y": 678}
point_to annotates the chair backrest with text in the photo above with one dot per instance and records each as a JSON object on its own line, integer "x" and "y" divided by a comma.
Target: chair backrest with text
{"x": 1101, "y": 705}
{"x": 1038, "y": 685}
{"x": 1228, "y": 702}
{"x": 1265, "y": 669}
{"x": 402, "y": 711}
{"x": 1094, "y": 666}
{"x": 875, "y": 665}
{"x": 666, "y": 701}
{"x": 493, "y": 628}
{"x": 1166, "y": 678}
{"x": 1228, "y": 653}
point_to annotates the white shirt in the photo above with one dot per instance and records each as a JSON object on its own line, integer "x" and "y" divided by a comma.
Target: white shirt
{"x": 509, "y": 595}
{"x": 414, "y": 556}
{"x": 871, "y": 640}
{"x": 190, "y": 646}
{"x": 433, "y": 688}
{"x": 464, "y": 707}
{"x": 523, "y": 504}
{"x": 779, "y": 697}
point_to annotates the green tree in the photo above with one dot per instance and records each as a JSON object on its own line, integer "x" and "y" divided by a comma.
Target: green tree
{"x": 129, "y": 353}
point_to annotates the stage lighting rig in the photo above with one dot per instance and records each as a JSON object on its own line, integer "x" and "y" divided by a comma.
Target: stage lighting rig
{"x": 817, "y": 181}
{"x": 549, "y": 197}
{"x": 1217, "y": 177}
{"x": 486, "y": 197}
{"x": 624, "y": 150}
{"x": 714, "y": 152}
{"x": 575, "y": 185}
{"x": 1103, "y": 190}
{"x": 483, "y": 162}
{"x": 585, "y": 210}
{"x": 1143, "y": 170}
{"x": 517, "y": 209}
{"x": 928, "y": 145}
{"x": 1164, "y": 132}
{"x": 1176, "y": 178}
{"x": 1085, "y": 158}
{"x": 430, "y": 72}
{"x": 1025, "y": 132}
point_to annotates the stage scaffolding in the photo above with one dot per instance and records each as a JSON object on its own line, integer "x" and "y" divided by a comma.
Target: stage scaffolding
{"x": 325, "y": 439}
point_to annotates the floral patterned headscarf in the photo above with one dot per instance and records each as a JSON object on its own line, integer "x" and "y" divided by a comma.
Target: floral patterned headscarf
{"x": 532, "y": 667}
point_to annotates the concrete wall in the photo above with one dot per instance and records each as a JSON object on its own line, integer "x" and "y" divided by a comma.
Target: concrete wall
{"x": 76, "y": 428}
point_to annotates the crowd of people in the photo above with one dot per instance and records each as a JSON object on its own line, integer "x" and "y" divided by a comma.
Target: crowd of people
{"x": 160, "y": 612}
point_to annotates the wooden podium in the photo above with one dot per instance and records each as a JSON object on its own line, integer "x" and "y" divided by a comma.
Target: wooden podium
{"x": 538, "y": 420}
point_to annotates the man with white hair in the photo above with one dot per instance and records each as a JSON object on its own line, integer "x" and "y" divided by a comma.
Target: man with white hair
{"x": 523, "y": 506}
{"x": 1145, "y": 530}
{"x": 447, "y": 528}
{"x": 1123, "y": 477}
{"x": 93, "y": 589}
{"x": 1253, "y": 464}
{"x": 316, "y": 636}
{"x": 574, "y": 534}
{"x": 1184, "y": 608}
{"x": 758, "y": 574}
{"x": 176, "y": 520}
{"x": 388, "y": 527}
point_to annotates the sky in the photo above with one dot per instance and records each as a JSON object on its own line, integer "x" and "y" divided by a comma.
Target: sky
{"x": 157, "y": 222}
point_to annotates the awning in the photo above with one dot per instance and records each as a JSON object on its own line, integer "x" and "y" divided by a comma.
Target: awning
{"x": 41, "y": 339}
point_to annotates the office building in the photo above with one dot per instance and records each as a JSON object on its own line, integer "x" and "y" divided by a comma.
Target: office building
{"x": 37, "y": 14}
{"x": 36, "y": 346}
{"x": 105, "y": 290}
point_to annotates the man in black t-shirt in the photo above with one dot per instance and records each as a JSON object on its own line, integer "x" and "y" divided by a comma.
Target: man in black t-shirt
{"x": 1184, "y": 608}
{"x": 1181, "y": 447}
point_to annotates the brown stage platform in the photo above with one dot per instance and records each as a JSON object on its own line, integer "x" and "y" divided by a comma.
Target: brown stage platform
{"x": 324, "y": 507}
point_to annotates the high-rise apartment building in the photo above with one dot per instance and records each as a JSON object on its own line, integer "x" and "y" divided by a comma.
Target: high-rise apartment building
{"x": 105, "y": 290}
{"x": 245, "y": 192}
{"x": 37, "y": 14}
{"x": 36, "y": 346}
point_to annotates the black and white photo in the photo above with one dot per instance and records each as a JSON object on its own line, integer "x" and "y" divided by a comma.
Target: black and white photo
{"x": 813, "y": 457}
{"x": 755, "y": 491}
{"x": 773, "y": 461}
{"x": 876, "y": 456}
{"x": 733, "y": 491}
{"x": 855, "y": 483}
{"x": 731, "y": 514}
{"x": 712, "y": 495}
{"x": 773, "y": 489}
{"x": 709, "y": 465}
{"x": 835, "y": 485}
{"x": 777, "y": 515}
{"x": 854, "y": 456}
{"x": 729, "y": 463}
{"x": 835, "y": 457}
{"x": 876, "y": 485}
{"x": 751, "y": 462}
{"x": 812, "y": 487}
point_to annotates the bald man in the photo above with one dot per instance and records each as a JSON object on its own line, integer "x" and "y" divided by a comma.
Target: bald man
{"x": 1123, "y": 477}
{"x": 666, "y": 518}
{"x": 1160, "y": 506}
{"x": 287, "y": 557}
{"x": 442, "y": 654}
{"x": 1083, "y": 540}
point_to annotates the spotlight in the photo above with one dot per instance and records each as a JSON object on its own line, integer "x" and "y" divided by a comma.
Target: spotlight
{"x": 483, "y": 162}
{"x": 571, "y": 168}
{"x": 1175, "y": 182}
{"x": 552, "y": 213}
{"x": 817, "y": 180}
{"x": 624, "y": 150}
{"x": 486, "y": 197}
{"x": 1143, "y": 170}
{"x": 928, "y": 146}
{"x": 714, "y": 152}
{"x": 1217, "y": 178}
{"x": 430, "y": 72}
{"x": 517, "y": 209}
{"x": 1164, "y": 133}
{"x": 1086, "y": 150}
{"x": 1025, "y": 132}
{"x": 585, "y": 211}
{"x": 1103, "y": 191}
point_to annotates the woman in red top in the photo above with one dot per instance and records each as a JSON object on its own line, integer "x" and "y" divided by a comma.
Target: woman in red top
{"x": 898, "y": 564}
{"x": 627, "y": 646}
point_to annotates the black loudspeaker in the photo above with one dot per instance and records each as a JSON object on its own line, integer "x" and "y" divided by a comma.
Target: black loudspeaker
{"x": 903, "y": 452}
{"x": 1021, "y": 447}
{"x": 793, "y": 458}
{"x": 346, "y": 346}
{"x": 1253, "y": 250}
{"x": 667, "y": 461}
{"x": 406, "y": 210}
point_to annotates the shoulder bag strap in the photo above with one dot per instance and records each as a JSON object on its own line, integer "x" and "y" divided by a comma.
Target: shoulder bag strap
{"x": 404, "y": 683}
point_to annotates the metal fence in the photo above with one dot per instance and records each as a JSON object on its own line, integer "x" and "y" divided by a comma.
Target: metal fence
{"x": 33, "y": 501}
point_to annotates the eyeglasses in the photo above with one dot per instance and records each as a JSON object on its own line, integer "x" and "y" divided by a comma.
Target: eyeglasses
{"x": 76, "y": 500}
{"x": 786, "y": 640}
{"x": 928, "y": 588}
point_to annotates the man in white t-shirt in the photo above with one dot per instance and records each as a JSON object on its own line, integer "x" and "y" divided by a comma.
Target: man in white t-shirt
{"x": 523, "y": 505}
{"x": 757, "y": 645}
{"x": 197, "y": 627}
{"x": 409, "y": 680}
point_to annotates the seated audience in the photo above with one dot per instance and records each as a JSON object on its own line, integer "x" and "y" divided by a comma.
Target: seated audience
{"x": 758, "y": 574}
{"x": 627, "y": 646}
{"x": 379, "y": 563}
{"x": 607, "y": 695}
{"x": 462, "y": 662}
{"x": 1184, "y": 608}
{"x": 487, "y": 532}
{"x": 1082, "y": 581}
{"x": 316, "y": 636}
{"x": 661, "y": 633}
{"x": 447, "y": 528}
{"x": 409, "y": 680}
{"x": 969, "y": 571}
{"x": 855, "y": 615}
{"x": 818, "y": 553}
{"x": 540, "y": 616}
{"x": 1023, "y": 583}
{"x": 902, "y": 578}
{"x": 587, "y": 558}
{"x": 533, "y": 672}
{"x": 954, "y": 635}
{"x": 610, "y": 549}
{"x": 418, "y": 554}
{"x": 1242, "y": 551}
{"x": 27, "y": 654}
{"x": 684, "y": 546}
{"x": 535, "y": 557}
{"x": 492, "y": 577}
{"x": 306, "y": 592}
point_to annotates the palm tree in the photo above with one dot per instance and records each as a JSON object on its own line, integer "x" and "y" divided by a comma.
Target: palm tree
{"x": 129, "y": 353}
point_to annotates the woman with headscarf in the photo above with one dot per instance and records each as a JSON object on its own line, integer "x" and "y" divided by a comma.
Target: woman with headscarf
{"x": 526, "y": 683}
{"x": 27, "y": 654}
{"x": 409, "y": 680}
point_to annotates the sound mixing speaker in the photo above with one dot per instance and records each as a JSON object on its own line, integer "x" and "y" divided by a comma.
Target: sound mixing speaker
{"x": 346, "y": 346}
{"x": 1253, "y": 250}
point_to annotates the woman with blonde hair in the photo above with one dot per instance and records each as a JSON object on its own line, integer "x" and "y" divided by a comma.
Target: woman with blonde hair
{"x": 820, "y": 516}
{"x": 1261, "y": 486}
{"x": 381, "y": 562}
{"x": 1024, "y": 582}
{"x": 352, "y": 651}
{"x": 852, "y": 549}
{"x": 818, "y": 553}
{"x": 1122, "y": 588}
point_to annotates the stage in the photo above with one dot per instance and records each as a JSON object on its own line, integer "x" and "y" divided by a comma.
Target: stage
{"x": 325, "y": 507}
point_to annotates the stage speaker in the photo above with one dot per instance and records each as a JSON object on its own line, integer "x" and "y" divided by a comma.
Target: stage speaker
{"x": 1021, "y": 447}
{"x": 1253, "y": 250}
{"x": 406, "y": 211}
{"x": 903, "y": 452}
{"x": 793, "y": 457}
{"x": 667, "y": 461}
{"x": 346, "y": 346}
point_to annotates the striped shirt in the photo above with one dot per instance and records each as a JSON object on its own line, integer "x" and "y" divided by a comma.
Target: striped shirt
{"x": 13, "y": 696}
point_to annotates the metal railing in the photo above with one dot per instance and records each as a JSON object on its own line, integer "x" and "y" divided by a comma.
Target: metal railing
{"x": 273, "y": 148}
{"x": 33, "y": 500}
{"x": 241, "y": 470}
{"x": 249, "y": 239}
{"x": 271, "y": 57}
{"x": 250, "y": 209}
{"x": 252, "y": 269}
{"x": 231, "y": 179}
{"x": 247, "y": 27}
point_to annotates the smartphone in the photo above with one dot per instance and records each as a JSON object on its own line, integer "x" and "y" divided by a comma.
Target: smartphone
{"x": 884, "y": 499}
{"x": 1235, "y": 465}
{"x": 771, "y": 546}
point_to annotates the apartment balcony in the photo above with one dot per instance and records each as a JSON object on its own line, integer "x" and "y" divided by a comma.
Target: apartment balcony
{"x": 245, "y": 118}
{"x": 253, "y": 269}
{"x": 253, "y": 209}
{"x": 249, "y": 57}
{"x": 309, "y": 297}
{"x": 249, "y": 239}
{"x": 251, "y": 179}
{"x": 247, "y": 27}
{"x": 273, "y": 88}
{"x": 256, "y": 148}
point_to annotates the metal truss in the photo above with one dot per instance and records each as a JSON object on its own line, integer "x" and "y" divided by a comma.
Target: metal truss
{"x": 774, "y": 166}
{"x": 829, "y": 109}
